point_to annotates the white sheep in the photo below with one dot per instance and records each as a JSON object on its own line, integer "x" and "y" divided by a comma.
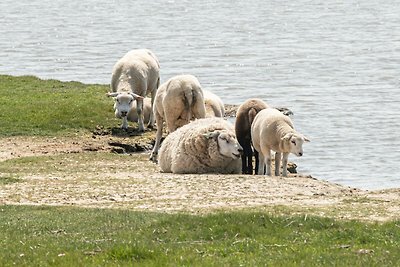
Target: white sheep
{"x": 178, "y": 100}
{"x": 271, "y": 130}
{"x": 214, "y": 105}
{"x": 134, "y": 76}
{"x": 206, "y": 145}
{"x": 132, "y": 114}
{"x": 244, "y": 118}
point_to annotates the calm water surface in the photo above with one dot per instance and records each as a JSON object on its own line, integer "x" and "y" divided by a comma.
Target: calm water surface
{"x": 335, "y": 64}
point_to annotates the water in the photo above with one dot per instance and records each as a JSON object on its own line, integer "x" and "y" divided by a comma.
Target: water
{"x": 336, "y": 65}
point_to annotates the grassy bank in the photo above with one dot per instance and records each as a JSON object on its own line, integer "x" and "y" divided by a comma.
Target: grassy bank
{"x": 31, "y": 106}
{"x": 53, "y": 164}
{"x": 41, "y": 236}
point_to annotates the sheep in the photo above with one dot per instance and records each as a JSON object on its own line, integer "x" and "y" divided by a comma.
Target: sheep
{"x": 244, "y": 118}
{"x": 134, "y": 76}
{"x": 177, "y": 101}
{"x": 206, "y": 145}
{"x": 272, "y": 130}
{"x": 214, "y": 105}
{"x": 132, "y": 114}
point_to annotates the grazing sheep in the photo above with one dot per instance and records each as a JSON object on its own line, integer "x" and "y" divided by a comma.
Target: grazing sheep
{"x": 244, "y": 118}
{"x": 132, "y": 114}
{"x": 214, "y": 105}
{"x": 206, "y": 145}
{"x": 177, "y": 101}
{"x": 271, "y": 130}
{"x": 134, "y": 76}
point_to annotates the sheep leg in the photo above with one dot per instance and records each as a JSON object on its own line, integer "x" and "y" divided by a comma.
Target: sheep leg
{"x": 154, "y": 152}
{"x": 151, "y": 119}
{"x": 244, "y": 162}
{"x": 247, "y": 167}
{"x": 139, "y": 108}
{"x": 249, "y": 164}
{"x": 124, "y": 123}
{"x": 278, "y": 156}
{"x": 268, "y": 162}
{"x": 260, "y": 170}
{"x": 257, "y": 161}
{"x": 284, "y": 164}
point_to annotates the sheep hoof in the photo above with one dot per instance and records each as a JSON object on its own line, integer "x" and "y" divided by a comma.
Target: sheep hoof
{"x": 153, "y": 157}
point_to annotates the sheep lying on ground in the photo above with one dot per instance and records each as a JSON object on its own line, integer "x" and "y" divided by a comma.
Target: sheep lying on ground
{"x": 203, "y": 146}
{"x": 178, "y": 100}
{"x": 244, "y": 118}
{"x": 132, "y": 114}
{"x": 214, "y": 105}
{"x": 271, "y": 130}
{"x": 134, "y": 76}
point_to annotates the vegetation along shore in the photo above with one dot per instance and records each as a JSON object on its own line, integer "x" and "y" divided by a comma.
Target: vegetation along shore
{"x": 77, "y": 190}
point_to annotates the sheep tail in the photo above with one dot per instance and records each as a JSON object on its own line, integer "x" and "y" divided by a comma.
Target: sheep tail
{"x": 252, "y": 114}
{"x": 189, "y": 100}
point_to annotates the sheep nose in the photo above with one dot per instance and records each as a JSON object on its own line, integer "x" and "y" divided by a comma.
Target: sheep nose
{"x": 240, "y": 150}
{"x": 123, "y": 113}
{"x": 300, "y": 154}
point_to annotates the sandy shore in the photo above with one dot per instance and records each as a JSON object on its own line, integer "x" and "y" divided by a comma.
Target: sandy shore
{"x": 137, "y": 184}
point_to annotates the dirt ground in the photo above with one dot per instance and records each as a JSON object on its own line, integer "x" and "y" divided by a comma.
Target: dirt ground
{"x": 104, "y": 183}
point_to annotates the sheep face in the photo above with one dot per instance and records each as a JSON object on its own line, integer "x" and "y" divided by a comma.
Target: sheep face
{"x": 228, "y": 145}
{"x": 123, "y": 103}
{"x": 295, "y": 142}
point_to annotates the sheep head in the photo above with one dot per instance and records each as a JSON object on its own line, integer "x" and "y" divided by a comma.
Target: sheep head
{"x": 123, "y": 102}
{"x": 294, "y": 143}
{"x": 228, "y": 145}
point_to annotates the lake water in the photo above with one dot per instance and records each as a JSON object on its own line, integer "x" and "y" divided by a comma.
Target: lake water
{"x": 335, "y": 64}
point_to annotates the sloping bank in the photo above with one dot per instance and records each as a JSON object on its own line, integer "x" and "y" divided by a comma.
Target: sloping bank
{"x": 81, "y": 171}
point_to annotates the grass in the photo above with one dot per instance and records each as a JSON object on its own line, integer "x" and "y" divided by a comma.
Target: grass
{"x": 71, "y": 236}
{"x": 65, "y": 236}
{"x": 73, "y": 163}
{"x": 31, "y": 106}
{"x": 8, "y": 180}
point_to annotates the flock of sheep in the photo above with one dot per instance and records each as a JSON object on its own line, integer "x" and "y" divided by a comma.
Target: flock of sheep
{"x": 199, "y": 139}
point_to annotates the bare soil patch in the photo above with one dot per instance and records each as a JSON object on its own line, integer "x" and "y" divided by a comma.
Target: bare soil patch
{"x": 133, "y": 182}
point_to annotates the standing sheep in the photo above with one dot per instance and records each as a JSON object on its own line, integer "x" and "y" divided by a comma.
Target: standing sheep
{"x": 132, "y": 114}
{"x": 214, "y": 105}
{"x": 134, "y": 76}
{"x": 177, "y": 101}
{"x": 244, "y": 118}
{"x": 271, "y": 130}
{"x": 203, "y": 146}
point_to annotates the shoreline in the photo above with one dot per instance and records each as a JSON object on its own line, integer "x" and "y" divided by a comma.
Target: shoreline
{"x": 139, "y": 185}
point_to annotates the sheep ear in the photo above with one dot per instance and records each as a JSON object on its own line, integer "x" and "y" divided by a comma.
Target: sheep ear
{"x": 211, "y": 135}
{"x": 306, "y": 139}
{"x": 287, "y": 137}
{"x": 136, "y": 96}
{"x": 114, "y": 94}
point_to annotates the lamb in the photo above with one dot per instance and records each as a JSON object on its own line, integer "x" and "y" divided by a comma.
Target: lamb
{"x": 271, "y": 130}
{"x": 244, "y": 118}
{"x": 206, "y": 145}
{"x": 134, "y": 76}
{"x": 132, "y": 114}
{"x": 214, "y": 105}
{"x": 178, "y": 100}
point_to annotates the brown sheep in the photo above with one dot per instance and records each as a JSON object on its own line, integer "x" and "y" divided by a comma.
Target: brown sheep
{"x": 244, "y": 118}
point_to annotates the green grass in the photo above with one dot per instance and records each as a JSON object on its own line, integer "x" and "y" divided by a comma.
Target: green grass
{"x": 64, "y": 165}
{"x": 31, "y": 106}
{"x": 64, "y": 236}
{"x": 7, "y": 179}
